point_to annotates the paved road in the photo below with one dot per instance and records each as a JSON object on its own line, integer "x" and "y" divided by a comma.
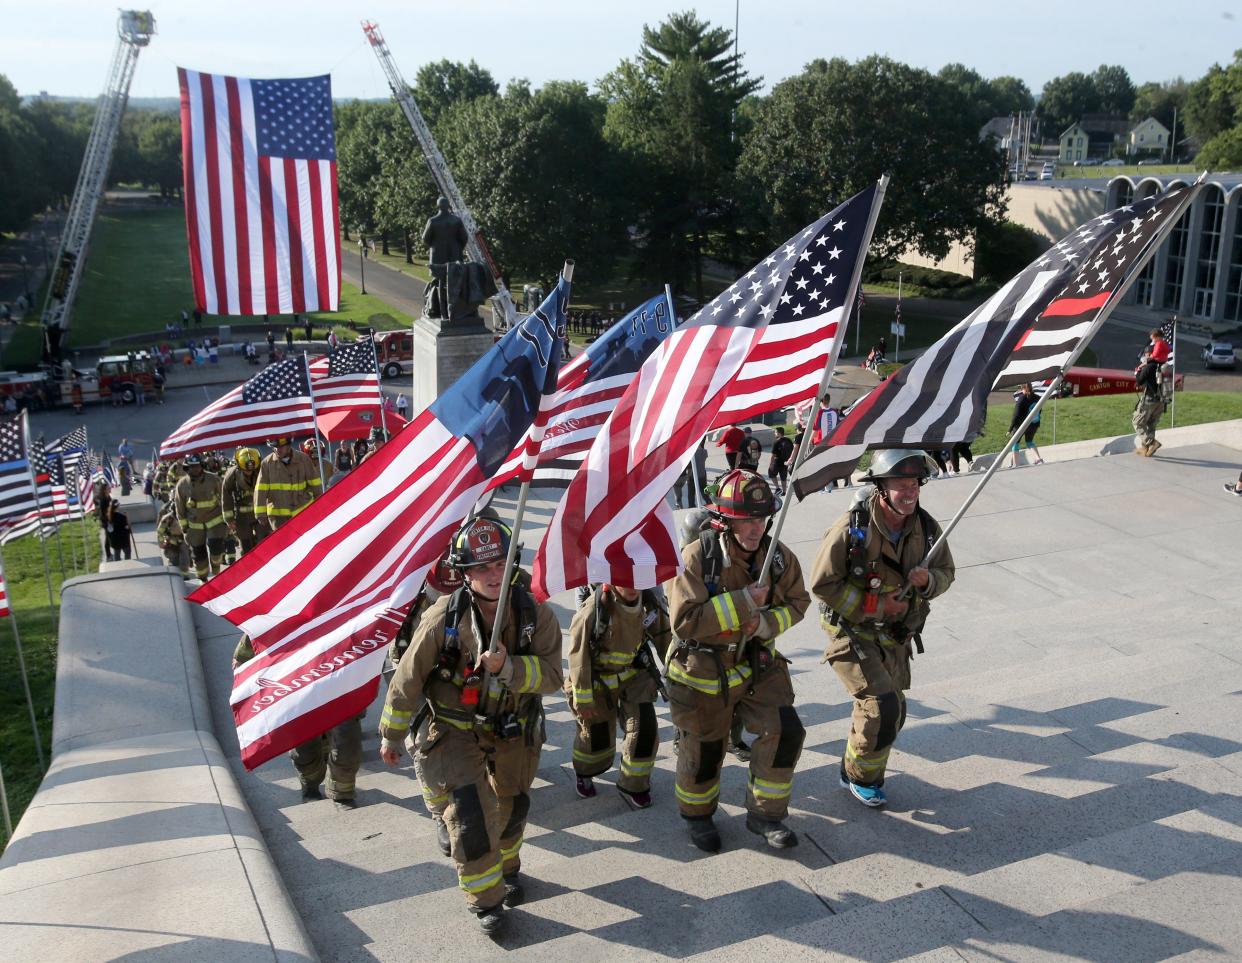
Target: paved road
{"x": 392, "y": 287}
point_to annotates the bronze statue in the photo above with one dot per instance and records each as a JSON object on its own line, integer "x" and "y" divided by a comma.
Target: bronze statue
{"x": 457, "y": 287}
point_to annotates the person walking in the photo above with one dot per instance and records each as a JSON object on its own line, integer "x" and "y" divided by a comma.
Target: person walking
{"x": 1149, "y": 407}
{"x": 288, "y": 481}
{"x": 483, "y": 715}
{"x": 1024, "y": 401}
{"x": 859, "y": 576}
{"x": 197, "y": 500}
{"x": 731, "y": 440}
{"x": 778, "y": 463}
{"x": 724, "y": 658}
{"x": 237, "y": 498}
{"x": 613, "y": 682}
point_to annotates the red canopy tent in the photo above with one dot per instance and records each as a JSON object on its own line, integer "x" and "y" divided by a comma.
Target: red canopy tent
{"x": 345, "y": 424}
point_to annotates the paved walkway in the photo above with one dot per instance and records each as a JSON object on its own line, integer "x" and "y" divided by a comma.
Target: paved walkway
{"x": 1068, "y": 785}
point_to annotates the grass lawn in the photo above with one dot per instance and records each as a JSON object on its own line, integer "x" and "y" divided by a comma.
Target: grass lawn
{"x": 37, "y": 622}
{"x": 1068, "y": 170}
{"x": 1078, "y": 419}
{"x": 137, "y": 279}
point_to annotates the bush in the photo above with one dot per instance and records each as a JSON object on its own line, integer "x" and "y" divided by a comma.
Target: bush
{"x": 931, "y": 279}
{"x": 1004, "y": 249}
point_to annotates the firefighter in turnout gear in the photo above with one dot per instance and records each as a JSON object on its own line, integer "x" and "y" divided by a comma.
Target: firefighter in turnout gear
{"x": 614, "y": 677}
{"x": 862, "y": 566}
{"x": 443, "y": 579}
{"x": 171, "y": 539}
{"x": 725, "y": 656}
{"x": 161, "y": 487}
{"x": 197, "y": 501}
{"x": 481, "y": 749}
{"x": 333, "y": 756}
{"x": 288, "y": 482}
{"x": 315, "y": 454}
{"x": 237, "y": 497}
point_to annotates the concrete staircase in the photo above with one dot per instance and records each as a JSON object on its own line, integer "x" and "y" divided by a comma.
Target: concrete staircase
{"x": 1068, "y": 786}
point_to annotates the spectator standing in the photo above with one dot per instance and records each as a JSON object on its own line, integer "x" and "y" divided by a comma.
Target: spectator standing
{"x": 778, "y": 463}
{"x": 731, "y": 440}
{"x": 309, "y": 330}
{"x": 403, "y": 406}
{"x": 271, "y": 342}
{"x": 332, "y": 340}
{"x": 289, "y": 338}
{"x": 1023, "y": 402}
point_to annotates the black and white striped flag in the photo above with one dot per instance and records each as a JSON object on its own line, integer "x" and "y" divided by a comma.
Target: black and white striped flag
{"x": 1024, "y": 332}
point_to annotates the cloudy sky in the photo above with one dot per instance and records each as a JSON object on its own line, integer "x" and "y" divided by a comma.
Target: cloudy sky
{"x": 64, "y": 46}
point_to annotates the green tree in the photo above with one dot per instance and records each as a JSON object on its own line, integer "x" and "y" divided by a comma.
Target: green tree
{"x": 539, "y": 178}
{"x": 1222, "y": 152}
{"x": 159, "y": 150}
{"x": 1004, "y": 249}
{"x": 1214, "y": 101}
{"x": 672, "y": 118}
{"x": 833, "y": 129}
{"x": 1010, "y": 96}
{"x": 25, "y": 190}
{"x": 440, "y": 85}
{"x": 359, "y": 126}
{"x": 63, "y": 129}
{"x": 1114, "y": 89}
{"x": 1065, "y": 99}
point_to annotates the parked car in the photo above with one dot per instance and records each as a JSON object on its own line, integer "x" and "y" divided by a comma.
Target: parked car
{"x": 1219, "y": 354}
{"x": 1088, "y": 162}
{"x": 1148, "y": 161}
{"x": 1113, "y": 162}
{"x": 1047, "y": 174}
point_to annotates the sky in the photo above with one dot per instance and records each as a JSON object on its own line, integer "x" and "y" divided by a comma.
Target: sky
{"x": 64, "y": 47}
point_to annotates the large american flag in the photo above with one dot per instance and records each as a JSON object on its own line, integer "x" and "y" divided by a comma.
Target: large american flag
{"x": 17, "y": 493}
{"x": 274, "y": 402}
{"x": 260, "y": 193}
{"x": 346, "y": 378}
{"x": 614, "y": 524}
{"x": 1024, "y": 332}
{"x": 322, "y": 597}
{"x": 588, "y": 389}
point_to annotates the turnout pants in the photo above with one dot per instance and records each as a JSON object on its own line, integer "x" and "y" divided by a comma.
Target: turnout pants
{"x": 630, "y": 707}
{"x": 480, "y": 785}
{"x": 703, "y": 718}
{"x": 336, "y": 754}
{"x": 877, "y": 685}
{"x": 207, "y": 549}
{"x": 249, "y": 531}
{"x": 1146, "y": 416}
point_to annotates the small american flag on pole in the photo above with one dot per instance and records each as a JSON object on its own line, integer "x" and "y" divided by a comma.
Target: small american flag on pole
{"x": 347, "y": 378}
{"x": 274, "y": 402}
{"x": 260, "y": 193}
{"x": 4, "y": 597}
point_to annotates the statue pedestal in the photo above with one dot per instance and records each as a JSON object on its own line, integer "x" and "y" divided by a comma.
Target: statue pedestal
{"x": 444, "y": 354}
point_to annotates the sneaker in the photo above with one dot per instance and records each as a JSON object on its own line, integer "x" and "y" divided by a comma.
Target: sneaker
{"x": 1232, "y": 489}
{"x": 1153, "y": 448}
{"x": 703, "y": 833}
{"x": 872, "y": 796}
{"x": 491, "y": 919}
{"x": 584, "y": 786}
{"x": 635, "y": 800}
{"x": 515, "y": 894}
{"x": 442, "y": 837}
{"x": 311, "y": 793}
{"x": 740, "y": 749}
{"x": 774, "y": 832}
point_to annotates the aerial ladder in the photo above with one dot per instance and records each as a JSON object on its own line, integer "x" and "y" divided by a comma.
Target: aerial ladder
{"x": 504, "y": 310}
{"x": 134, "y": 31}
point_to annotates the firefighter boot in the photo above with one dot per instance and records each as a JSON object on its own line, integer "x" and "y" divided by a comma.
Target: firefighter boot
{"x": 703, "y": 833}
{"x": 515, "y": 894}
{"x": 774, "y": 833}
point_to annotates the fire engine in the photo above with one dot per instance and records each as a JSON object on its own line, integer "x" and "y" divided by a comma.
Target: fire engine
{"x": 395, "y": 350}
{"x": 117, "y": 374}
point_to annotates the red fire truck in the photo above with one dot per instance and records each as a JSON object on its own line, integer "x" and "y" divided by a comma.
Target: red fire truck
{"x": 117, "y": 374}
{"x": 395, "y": 350}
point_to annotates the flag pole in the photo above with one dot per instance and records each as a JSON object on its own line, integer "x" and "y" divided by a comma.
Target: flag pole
{"x": 4, "y": 802}
{"x": 34, "y": 485}
{"x": 21, "y": 664}
{"x": 826, "y": 378}
{"x": 379, "y": 388}
{"x": 567, "y": 272}
{"x": 1105, "y": 310}
{"x": 315, "y": 418}
{"x": 1173, "y": 393}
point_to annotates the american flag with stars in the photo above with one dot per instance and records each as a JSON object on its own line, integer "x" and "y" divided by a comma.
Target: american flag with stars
{"x": 347, "y": 378}
{"x": 759, "y": 343}
{"x": 1024, "y": 332}
{"x": 276, "y": 401}
{"x": 40, "y": 515}
{"x": 17, "y": 495}
{"x": 261, "y": 208}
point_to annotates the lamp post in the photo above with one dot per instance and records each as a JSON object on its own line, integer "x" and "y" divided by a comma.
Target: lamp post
{"x": 362, "y": 259}
{"x": 26, "y": 277}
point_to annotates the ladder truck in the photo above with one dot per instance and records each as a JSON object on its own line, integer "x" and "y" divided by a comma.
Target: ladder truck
{"x": 134, "y": 31}
{"x": 504, "y": 310}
